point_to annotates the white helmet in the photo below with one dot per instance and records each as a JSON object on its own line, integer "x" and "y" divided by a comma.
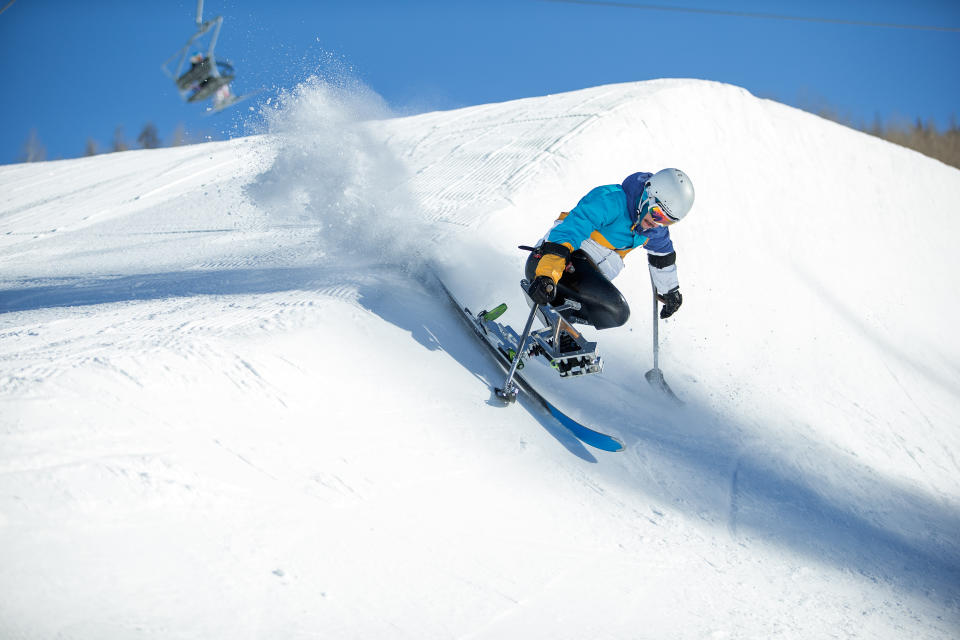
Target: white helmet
{"x": 673, "y": 189}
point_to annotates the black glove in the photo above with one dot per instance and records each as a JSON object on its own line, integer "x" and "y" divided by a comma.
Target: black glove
{"x": 542, "y": 290}
{"x": 671, "y": 302}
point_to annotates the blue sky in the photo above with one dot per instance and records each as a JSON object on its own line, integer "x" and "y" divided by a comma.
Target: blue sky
{"x": 77, "y": 70}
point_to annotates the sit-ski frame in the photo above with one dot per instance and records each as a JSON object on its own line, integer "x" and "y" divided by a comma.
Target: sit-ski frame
{"x": 583, "y": 360}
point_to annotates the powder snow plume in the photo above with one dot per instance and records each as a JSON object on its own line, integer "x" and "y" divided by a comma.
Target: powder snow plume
{"x": 331, "y": 170}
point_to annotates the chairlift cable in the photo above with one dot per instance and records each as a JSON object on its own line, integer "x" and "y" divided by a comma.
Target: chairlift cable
{"x": 7, "y": 6}
{"x": 749, "y": 14}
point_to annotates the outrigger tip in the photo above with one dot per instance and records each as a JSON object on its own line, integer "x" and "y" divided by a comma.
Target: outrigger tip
{"x": 507, "y": 395}
{"x": 657, "y": 381}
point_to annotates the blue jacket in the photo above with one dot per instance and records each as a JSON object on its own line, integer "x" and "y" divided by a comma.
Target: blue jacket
{"x": 610, "y": 211}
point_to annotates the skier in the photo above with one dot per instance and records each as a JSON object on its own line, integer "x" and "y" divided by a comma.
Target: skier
{"x": 584, "y": 250}
{"x": 196, "y": 60}
{"x": 222, "y": 98}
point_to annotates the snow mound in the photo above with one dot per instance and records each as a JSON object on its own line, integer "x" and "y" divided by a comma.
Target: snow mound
{"x": 234, "y": 404}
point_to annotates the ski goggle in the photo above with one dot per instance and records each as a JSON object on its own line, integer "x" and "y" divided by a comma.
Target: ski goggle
{"x": 656, "y": 210}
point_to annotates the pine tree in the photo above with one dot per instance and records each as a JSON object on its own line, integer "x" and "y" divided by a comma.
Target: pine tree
{"x": 148, "y": 138}
{"x": 119, "y": 143}
{"x": 33, "y": 150}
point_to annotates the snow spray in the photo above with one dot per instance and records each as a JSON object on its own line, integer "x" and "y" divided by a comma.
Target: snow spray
{"x": 331, "y": 171}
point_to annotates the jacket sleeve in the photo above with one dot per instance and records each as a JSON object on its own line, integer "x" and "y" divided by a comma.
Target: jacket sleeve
{"x": 595, "y": 210}
{"x": 662, "y": 259}
{"x": 658, "y": 241}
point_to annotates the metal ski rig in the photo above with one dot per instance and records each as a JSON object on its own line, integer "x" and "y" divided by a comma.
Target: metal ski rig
{"x": 558, "y": 342}
{"x": 563, "y": 346}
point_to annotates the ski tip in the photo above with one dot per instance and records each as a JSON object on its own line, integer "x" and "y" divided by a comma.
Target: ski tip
{"x": 587, "y": 435}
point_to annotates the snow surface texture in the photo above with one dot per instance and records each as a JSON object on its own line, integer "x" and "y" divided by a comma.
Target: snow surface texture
{"x": 234, "y": 404}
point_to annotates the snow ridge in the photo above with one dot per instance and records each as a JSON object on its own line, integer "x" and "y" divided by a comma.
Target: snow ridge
{"x": 232, "y": 403}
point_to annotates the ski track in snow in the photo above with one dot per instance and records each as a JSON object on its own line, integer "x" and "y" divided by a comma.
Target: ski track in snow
{"x": 216, "y": 422}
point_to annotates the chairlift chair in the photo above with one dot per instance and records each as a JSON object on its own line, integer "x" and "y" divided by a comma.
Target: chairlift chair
{"x": 221, "y": 73}
{"x": 203, "y": 79}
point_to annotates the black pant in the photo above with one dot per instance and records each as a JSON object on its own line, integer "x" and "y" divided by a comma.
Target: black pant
{"x": 603, "y": 306}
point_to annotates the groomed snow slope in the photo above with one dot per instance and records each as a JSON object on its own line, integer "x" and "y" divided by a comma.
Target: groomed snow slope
{"x": 233, "y": 402}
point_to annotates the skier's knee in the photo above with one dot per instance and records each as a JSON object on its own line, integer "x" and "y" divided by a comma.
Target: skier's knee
{"x": 621, "y": 316}
{"x": 616, "y": 317}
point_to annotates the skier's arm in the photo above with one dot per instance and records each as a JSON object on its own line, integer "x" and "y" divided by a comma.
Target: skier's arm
{"x": 592, "y": 212}
{"x": 663, "y": 268}
{"x": 550, "y": 268}
{"x": 662, "y": 259}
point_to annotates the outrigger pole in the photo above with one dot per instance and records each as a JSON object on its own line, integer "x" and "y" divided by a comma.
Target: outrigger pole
{"x": 655, "y": 376}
